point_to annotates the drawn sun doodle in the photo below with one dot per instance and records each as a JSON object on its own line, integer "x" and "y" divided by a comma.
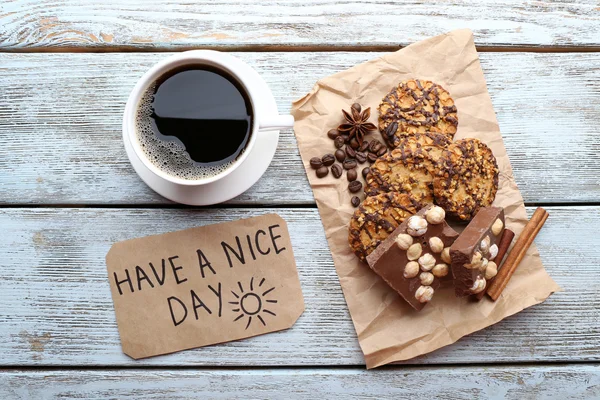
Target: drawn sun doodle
{"x": 252, "y": 303}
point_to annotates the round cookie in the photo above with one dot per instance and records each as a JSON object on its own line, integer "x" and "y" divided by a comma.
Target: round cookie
{"x": 409, "y": 168}
{"x": 376, "y": 218}
{"x": 417, "y": 106}
{"x": 467, "y": 178}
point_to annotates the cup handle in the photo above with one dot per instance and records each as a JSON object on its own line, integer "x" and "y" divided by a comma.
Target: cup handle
{"x": 276, "y": 122}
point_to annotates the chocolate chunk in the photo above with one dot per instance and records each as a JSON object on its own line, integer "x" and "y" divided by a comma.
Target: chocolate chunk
{"x": 322, "y": 172}
{"x": 354, "y": 186}
{"x": 340, "y": 155}
{"x": 339, "y": 142}
{"x": 328, "y": 159}
{"x": 333, "y": 133}
{"x": 474, "y": 249}
{"x": 361, "y": 157}
{"x": 406, "y": 268}
{"x": 351, "y": 175}
{"x": 316, "y": 163}
{"x": 349, "y": 164}
{"x": 355, "y": 201}
{"x": 336, "y": 170}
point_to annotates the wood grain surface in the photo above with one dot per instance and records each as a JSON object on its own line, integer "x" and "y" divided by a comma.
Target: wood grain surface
{"x": 57, "y": 310}
{"x": 469, "y": 383}
{"x": 60, "y": 124}
{"x": 156, "y": 24}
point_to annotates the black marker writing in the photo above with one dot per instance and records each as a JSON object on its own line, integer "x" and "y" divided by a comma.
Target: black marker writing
{"x": 204, "y": 263}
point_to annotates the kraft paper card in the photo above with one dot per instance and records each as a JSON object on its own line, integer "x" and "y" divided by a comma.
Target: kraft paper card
{"x": 205, "y": 285}
{"x": 388, "y": 329}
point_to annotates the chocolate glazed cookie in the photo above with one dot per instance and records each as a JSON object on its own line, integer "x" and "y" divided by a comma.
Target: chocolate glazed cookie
{"x": 417, "y": 106}
{"x": 467, "y": 178}
{"x": 409, "y": 168}
{"x": 376, "y": 218}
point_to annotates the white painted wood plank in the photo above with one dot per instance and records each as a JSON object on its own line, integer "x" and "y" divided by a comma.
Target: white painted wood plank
{"x": 172, "y": 24}
{"x": 469, "y": 383}
{"x": 60, "y": 124}
{"x": 56, "y": 306}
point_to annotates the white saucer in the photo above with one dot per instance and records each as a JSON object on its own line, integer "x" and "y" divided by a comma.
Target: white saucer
{"x": 232, "y": 185}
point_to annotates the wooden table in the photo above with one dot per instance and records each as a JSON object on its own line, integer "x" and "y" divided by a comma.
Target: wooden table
{"x": 67, "y": 192}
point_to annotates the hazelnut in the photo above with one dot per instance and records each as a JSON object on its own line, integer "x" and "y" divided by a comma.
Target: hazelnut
{"x": 403, "y": 241}
{"x": 484, "y": 246}
{"x": 478, "y": 285}
{"x": 424, "y": 294}
{"x": 446, "y": 256}
{"x": 411, "y": 269}
{"x": 483, "y": 264}
{"x": 497, "y": 227}
{"x": 493, "y": 251}
{"x": 426, "y": 278}
{"x": 435, "y": 215}
{"x": 416, "y": 226}
{"x": 476, "y": 259}
{"x": 427, "y": 262}
{"x": 414, "y": 251}
{"x": 436, "y": 245}
{"x": 440, "y": 270}
{"x": 491, "y": 270}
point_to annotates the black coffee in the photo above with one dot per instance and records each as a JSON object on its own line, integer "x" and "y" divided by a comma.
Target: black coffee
{"x": 194, "y": 122}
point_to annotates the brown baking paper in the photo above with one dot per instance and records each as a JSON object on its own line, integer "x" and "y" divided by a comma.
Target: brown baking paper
{"x": 388, "y": 329}
{"x": 212, "y": 284}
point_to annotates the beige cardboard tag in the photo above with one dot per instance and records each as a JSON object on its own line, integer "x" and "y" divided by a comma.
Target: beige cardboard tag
{"x": 205, "y": 285}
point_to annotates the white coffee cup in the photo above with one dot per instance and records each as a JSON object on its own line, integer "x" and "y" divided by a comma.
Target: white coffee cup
{"x": 239, "y": 70}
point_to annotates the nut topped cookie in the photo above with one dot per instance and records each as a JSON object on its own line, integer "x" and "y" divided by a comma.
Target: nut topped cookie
{"x": 417, "y": 106}
{"x": 409, "y": 168}
{"x": 376, "y": 218}
{"x": 466, "y": 179}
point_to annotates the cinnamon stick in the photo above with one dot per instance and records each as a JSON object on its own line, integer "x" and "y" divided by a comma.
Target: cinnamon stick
{"x": 517, "y": 253}
{"x": 503, "y": 245}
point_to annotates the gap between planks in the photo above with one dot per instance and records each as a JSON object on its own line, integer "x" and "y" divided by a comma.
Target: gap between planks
{"x": 288, "y": 49}
{"x": 351, "y": 367}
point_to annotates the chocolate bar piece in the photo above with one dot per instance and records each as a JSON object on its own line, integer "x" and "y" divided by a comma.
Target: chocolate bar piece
{"x": 414, "y": 258}
{"x": 474, "y": 252}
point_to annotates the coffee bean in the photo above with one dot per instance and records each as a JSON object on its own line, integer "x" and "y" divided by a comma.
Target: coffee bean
{"x": 336, "y": 170}
{"x": 391, "y": 129}
{"x": 374, "y": 146}
{"x": 354, "y": 143}
{"x": 350, "y": 152}
{"x": 363, "y": 147}
{"x": 333, "y": 133}
{"x": 355, "y": 201}
{"x": 340, "y": 155}
{"x": 382, "y": 151}
{"x": 361, "y": 157}
{"x": 339, "y": 142}
{"x": 351, "y": 175}
{"x": 365, "y": 171}
{"x": 354, "y": 186}
{"x": 322, "y": 172}
{"x": 356, "y": 107}
{"x": 371, "y": 157}
{"x": 316, "y": 163}
{"x": 349, "y": 164}
{"x": 328, "y": 159}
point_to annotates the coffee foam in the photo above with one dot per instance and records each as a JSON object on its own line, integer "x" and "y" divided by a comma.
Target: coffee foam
{"x": 168, "y": 156}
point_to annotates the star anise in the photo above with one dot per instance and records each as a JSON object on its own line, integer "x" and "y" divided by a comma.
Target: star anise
{"x": 356, "y": 124}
